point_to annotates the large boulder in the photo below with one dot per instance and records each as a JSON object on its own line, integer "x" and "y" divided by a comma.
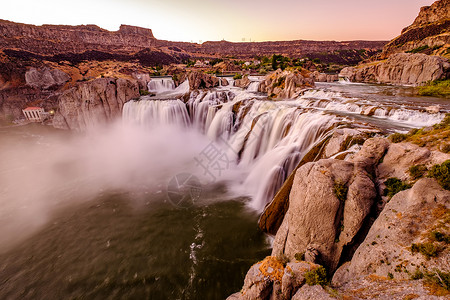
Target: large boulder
{"x": 95, "y": 102}
{"x": 408, "y": 218}
{"x": 270, "y": 279}
{"x": 285, "y": 84}
{"x": 322, "y": 216}
{"x": 200, "y": 80}
{"x": 45, "y": 78}
{"x": 328, "y": 204}
{"x": 400, "y": 68}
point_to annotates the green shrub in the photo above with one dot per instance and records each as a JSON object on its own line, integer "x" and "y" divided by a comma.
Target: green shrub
{"x": 390, "y": 276}
{"x": 299, "y": 256}
{"x": 445, "y": 148}
{"x": 445, "y": 123}
{"x": 427, "y": 249}
{"x": 442, "y": 174}
{"x": 397, "y": 137}
{"x": 418, "y": 49}
{"x": 393, "y": 186}
{"x": 437, "y": 88}
{"x": 417, "y": 171}
{"x": 417, "y": 274}
{"x": 237, "y": 76}
{"x": 439, "y": 277}
{"x": 316, "y": 276}
{"x": 340, "y": 190}
{"x": 144, "y": 92}
{"x": 440, "y": 237}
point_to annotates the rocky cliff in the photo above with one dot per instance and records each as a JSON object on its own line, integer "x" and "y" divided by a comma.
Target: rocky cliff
{"x": 429, "y": 33}
{"x": 400, "y": 69}
{"x": 339, "y": 210}
{"x": 420, "y": 54}
{"x": 57, "y": 39}
{"x": 94, "y": 103}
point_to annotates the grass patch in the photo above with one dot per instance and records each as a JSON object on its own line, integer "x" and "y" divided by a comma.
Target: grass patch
{"x": 393, "y": 186}
{"x": 418, "y": 49}
{"x": 237, "y": 76}
{"x": 398, "y": 137}
{"x": 440, "y": 237}
{"x": 300, "y": 256}
{"x": 436, "y": 137}
{"x": 428, "y": 249}
{"x": 340, "y": 190}
{"x": 442, "y": 174}
{"x": 317, "y": 276}
{"x": 417, "y": 171}
{"x": 144, "y": 92}
{"x": 437, "y": 88}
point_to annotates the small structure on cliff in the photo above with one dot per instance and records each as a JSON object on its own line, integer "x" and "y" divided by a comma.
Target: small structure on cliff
{"x": 34, "y": 114}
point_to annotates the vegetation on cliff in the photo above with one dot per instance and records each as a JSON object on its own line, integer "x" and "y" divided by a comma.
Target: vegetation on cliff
{"x": 437, "y": 88}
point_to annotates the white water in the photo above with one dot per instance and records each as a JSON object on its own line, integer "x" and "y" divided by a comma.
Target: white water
{"x": 160, "y": 85}
{"x": 397, "y": 113}
{"x": 264, "y": 140}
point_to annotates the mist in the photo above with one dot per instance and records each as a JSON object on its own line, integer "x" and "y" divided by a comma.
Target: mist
{"x": 43, "y": 172}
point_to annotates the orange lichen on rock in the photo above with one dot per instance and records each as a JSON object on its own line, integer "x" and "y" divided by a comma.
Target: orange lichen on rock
{"x": 273, "y": 268}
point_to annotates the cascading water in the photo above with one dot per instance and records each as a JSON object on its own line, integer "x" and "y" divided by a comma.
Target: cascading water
{"x": 265, "y": 140}
{"x": 160, "y": 85}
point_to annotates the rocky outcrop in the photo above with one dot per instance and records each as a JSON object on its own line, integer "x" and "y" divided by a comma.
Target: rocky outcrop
{"x": 285, "y": 84}
{"x": 45, "y": 78}
{"x": 243, "y": 82}
{"x": 401, "y": 156}
{"x": 401, "y": 69}
{"x": 200, "y": 80}
{"x": 314, "y": 292}
{"x": 430, "y": 30}
{"x": 408, "y": 218}
{"x": 94, "y": 103}
{"x": 322, "y": 77}
{"x": 54, "y": 39}
{"x": 329, "y": 201}
{"x": 270, "y": 279}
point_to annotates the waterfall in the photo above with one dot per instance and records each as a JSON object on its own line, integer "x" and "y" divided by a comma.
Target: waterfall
{"x": 160, "y": 85}
{"x": 264, "y": 140}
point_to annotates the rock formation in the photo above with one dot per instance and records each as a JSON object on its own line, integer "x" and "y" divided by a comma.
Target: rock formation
{"x": 94, "y": 102}
{"x": 400, "y": 68}
{"x": 408, "y": 218}
{"x": 285, "y": 84}
{"x": 45, "y": 78}
{"x": 430, "y": 30}
{"x": 199, "y": 80}
{"x": 58, "y": 39}
{"x": 328, "y": 204}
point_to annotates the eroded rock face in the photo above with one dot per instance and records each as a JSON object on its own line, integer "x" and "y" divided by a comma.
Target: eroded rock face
{"x": 94, "y": 102}
{"x": 45, "y": 78}
{"x": 269, "y": 279}
{"x": 315, "y": 292}
{"x": 285, "y": 84}
{"x": 402, "y": 69}
{"x": 322, "y": 77}
{"x": 400, "y": 157}
{"x": 317, "y": 219}
{"x": 199, "y": 80}
{"x": 242, "y": 83}
{"x": 431, "y": 28}
{"x": 407, "y": 218}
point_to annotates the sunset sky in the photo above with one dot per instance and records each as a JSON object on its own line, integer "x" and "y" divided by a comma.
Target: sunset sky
{"x": 232, "y": 20}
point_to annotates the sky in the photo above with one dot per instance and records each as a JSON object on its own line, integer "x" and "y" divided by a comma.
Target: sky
{"x": 232, "y": 20}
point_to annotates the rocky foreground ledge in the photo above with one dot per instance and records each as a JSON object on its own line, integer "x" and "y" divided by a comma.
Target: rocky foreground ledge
{"x": 371, "y": 224}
